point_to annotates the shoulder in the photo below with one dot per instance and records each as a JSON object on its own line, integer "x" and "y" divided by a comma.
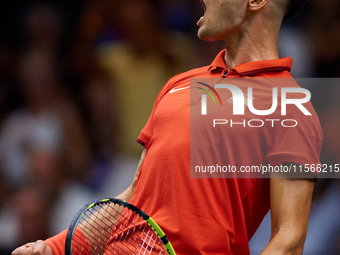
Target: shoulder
{"x": 184, "y": 77}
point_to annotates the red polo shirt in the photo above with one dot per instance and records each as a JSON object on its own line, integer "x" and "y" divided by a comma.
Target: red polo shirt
{"x": 215, "y": 216}
{"x": 212, "y": 215}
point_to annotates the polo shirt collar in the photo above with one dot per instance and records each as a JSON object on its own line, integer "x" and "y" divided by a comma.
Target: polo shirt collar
{"x": 253, "y": 68}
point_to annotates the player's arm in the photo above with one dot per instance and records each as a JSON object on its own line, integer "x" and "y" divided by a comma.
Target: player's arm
{"x": 58, "y": 242}
{"x": 290, "y": 201}
{"x": 126, "y": 195}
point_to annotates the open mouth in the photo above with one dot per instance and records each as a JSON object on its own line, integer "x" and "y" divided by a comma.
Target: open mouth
{"x": 203, "y": 4}
{"x": 204, "y": 9}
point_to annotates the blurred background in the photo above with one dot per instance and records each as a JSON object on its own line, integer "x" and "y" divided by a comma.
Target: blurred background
{"x": 77, "y": 83}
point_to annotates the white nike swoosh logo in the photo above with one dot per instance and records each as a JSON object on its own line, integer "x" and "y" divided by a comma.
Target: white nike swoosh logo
{"x": 174, "y": 89}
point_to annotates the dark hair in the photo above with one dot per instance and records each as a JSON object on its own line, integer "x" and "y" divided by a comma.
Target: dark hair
{"x": 294, "y": 6}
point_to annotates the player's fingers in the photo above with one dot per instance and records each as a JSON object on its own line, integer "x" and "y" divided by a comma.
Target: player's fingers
{"x": 26, "y": 249}
{"x": 41, "y": 248}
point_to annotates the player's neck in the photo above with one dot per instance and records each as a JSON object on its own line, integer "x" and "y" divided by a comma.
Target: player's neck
{"x": 258, "y": 46}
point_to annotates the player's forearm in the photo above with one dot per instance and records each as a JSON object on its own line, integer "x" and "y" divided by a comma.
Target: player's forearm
{"x": 286, "y": 243}
{"x": 126, "y": 195}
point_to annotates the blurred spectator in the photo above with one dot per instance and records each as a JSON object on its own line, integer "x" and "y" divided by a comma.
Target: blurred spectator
{"x": 178, "y": 15}
{"x": 323, "y": 30}
{"x": 32, "y": 207}
{"x": 49, "y": 171}
{"x": 138, "y": 56}
{"x": 101, "y": 114}
{"x": 48, "y": 119}
{"x": 139, "y": 64}
{"x": 9, "y": 95}
{"x": 101, "y": 126}
{"x": 294, "y": 44}
{"x": 8, "y": 220}
{"x": 324, "y": 220}
{"x": 330, "y": 119}
{"x": 337, "y": 243}
{"x": 43, "y": 28}
{"x": 95, "y": 24}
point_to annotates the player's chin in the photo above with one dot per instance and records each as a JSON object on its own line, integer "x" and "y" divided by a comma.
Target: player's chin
{"x": 206, "y": 36}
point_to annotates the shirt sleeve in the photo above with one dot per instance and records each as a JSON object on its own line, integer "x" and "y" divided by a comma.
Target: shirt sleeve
{"x": 300, "y": 144}
{"x": 146, "y": 133}
{"x": 57, "y": 243}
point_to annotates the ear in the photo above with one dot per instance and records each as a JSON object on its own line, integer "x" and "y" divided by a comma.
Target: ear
{"x": 255, "y": 5}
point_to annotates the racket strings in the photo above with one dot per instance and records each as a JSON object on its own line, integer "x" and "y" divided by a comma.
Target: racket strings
{"x": 146, "y": 246}
{"x": 114, "y": 229}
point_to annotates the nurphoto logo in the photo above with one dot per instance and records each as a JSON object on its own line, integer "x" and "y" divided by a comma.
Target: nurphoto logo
{"x": 239, "y": 99}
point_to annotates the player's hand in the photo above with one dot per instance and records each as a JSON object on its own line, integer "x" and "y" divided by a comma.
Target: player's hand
{"x": 37, "y": 248}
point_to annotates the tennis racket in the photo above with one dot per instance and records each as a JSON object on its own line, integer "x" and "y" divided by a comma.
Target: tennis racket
{"x": 112, "y": 226}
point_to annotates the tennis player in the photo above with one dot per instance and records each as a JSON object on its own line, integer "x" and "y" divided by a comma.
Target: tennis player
{"x": 220, "y": 215}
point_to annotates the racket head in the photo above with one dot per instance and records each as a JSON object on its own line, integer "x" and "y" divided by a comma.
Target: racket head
{"x": 112, "y": 226}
